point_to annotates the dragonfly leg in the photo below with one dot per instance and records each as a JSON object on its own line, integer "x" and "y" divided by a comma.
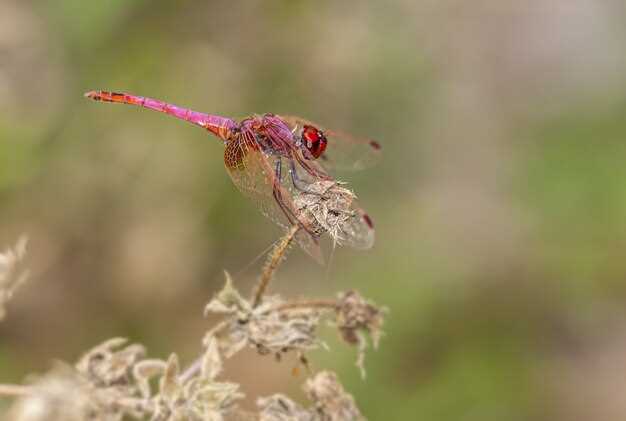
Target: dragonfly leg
{"x": 289, "y": 214}
{"x": 279, "y": 170}
{"x": 297, "y": 181}
{"x": 278, "y": 197}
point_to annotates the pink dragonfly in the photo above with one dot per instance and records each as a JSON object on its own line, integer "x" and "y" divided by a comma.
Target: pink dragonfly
{"x": 281, "y": 162}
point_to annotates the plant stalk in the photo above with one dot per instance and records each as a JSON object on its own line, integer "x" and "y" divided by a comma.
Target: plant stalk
{"x": 273, "y": 261}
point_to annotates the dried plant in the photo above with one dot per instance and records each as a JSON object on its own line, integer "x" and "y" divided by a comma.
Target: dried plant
{"x": 328, "y": 207}
{"x": 330, "y": 402}
{"x": 12, "y": 275}
{"x": 115, "y": 380}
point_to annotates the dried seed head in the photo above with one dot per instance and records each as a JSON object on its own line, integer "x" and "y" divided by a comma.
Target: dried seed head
{"x": 200, "y": 398}
{"x": 263, "y": 328}
{"x": 277, "y": 332}
{"x": 330, "y": 403}
{"x": 65, "y": 395}
{"x": 356, "y": 313}
{"x": 355, "y": 316}
{"x": 107, "y": 365}
{"x": 270, "y": 332}
{"x": 327, "y": 207}
{"x": 280, "y": 408}
{"x": 331, "y": 400}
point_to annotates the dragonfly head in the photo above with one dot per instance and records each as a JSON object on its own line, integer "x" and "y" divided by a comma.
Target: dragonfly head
{"x": 314, "y": 141}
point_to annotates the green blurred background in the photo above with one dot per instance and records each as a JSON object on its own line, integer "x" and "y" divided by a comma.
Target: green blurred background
{"x": 500, "y": 203}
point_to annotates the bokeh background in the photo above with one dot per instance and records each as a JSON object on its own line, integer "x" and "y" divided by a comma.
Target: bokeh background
{"x": 500, "y": 203}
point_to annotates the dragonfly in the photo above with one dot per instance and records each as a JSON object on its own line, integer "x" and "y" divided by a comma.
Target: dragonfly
{"x": 284, "y": 164}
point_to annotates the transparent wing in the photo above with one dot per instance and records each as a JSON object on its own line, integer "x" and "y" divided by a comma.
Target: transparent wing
{"x": 253, "y": 172}
{"x": 344, "y": 151}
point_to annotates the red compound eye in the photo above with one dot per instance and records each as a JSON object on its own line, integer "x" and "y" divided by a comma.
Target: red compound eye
{"x": 314, "y": 141}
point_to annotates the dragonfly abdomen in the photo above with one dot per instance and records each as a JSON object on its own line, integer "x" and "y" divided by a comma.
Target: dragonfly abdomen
{"x": 217, "y": 125}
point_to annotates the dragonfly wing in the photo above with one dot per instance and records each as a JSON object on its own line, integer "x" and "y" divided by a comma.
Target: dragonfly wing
{"x": 359, "y": 229}
{"x": 344, "y": 151}
{"x": 254, "y": 174}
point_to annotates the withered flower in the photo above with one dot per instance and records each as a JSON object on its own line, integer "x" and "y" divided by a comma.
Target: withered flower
{"x": 356, "y": 316}
{"x": 200, "y": 398}
{"x": 280, "y": 408}
{"x": 331, "y": 400}
{"x": 328, "y": 207}
{"x": 100, "y": 387}
{"x": 263, "y": 328}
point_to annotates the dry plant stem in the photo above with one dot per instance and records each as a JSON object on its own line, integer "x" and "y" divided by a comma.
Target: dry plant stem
{"x": 191, "y": 371}
{"x": 272, "y": 263}
{"x": 327, "y": 304}
{"x": 15, "y": 390}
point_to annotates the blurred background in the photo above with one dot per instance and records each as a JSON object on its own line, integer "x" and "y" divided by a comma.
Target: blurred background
{"x": 500, "y": 202}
